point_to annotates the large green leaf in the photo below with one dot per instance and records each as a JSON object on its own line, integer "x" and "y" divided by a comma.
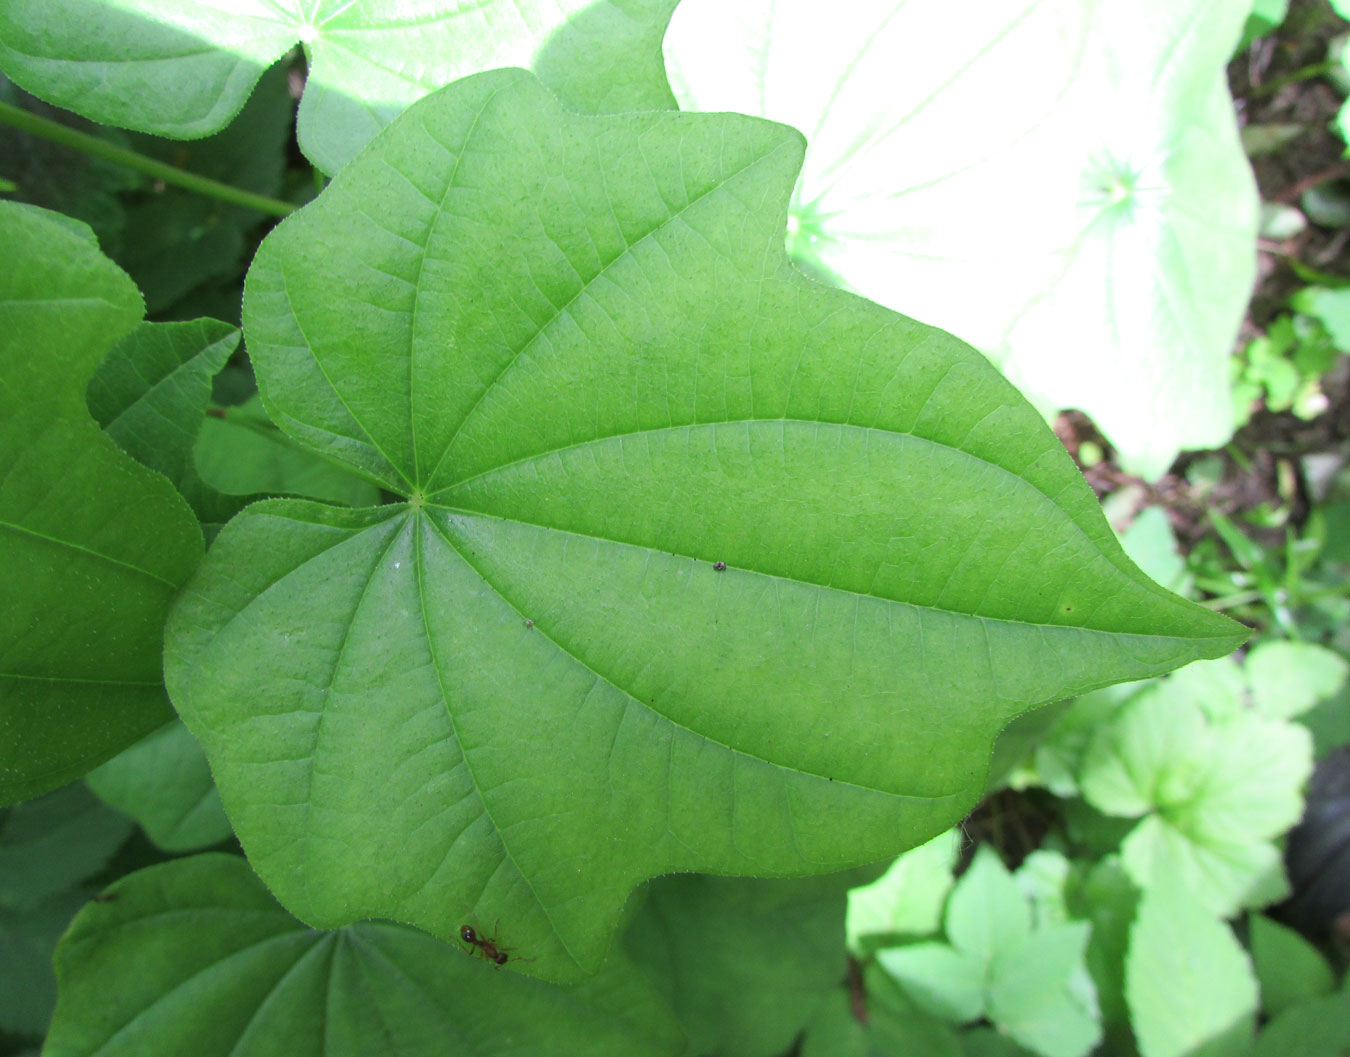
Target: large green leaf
{"x": 744, "y": 962}
{"x": 1059, "y": 182}
{"x": 700, "y": 565}
{"x": 205, "y": 963}
{"x": 93, "y": 544}
{"x": 181, "y": 68}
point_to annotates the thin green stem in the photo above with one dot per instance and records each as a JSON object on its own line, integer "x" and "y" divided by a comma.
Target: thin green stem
{"x": 1240, "y": 599}
{"x": 92, "y": 145}
{"x": 1317, "y": 69}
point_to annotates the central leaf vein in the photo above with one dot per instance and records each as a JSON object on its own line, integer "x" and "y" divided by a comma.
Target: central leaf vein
{"x": 450, "y": 717}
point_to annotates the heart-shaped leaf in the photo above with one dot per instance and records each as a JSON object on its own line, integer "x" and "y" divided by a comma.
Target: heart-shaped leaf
{"x": 183, "y": 69}
{"x": 92, "y": 543}
{"x": 206, "y": 963}
{"x": 1060, "y": 182}
{"x": 700, "y": 565}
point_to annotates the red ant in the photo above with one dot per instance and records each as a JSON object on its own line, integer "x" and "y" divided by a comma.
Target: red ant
{"x": 488, "y": 949}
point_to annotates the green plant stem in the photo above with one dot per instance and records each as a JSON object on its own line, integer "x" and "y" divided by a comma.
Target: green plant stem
{"x": 1230, "y": 601}
{"x": 92, "y": 145}
{"x": 1317, "y": 69}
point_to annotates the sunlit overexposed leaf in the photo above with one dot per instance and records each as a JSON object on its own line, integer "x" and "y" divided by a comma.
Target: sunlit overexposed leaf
{"x": 1059, "y": 182}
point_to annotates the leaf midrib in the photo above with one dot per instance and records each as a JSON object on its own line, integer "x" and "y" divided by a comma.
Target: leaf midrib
{"x": 415, "y": 521}
{"x": 470, "y": 512}
{"x": 776, "y": 765}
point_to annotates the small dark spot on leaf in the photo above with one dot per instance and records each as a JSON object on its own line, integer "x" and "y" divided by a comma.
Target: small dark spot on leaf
{"x": 529, "y": 623}
{"x": 721, "y": 567}
{"x": 105, "y": 897}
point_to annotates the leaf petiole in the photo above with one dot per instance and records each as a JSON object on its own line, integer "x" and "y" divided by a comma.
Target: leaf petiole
{"x": 92, "y": 145}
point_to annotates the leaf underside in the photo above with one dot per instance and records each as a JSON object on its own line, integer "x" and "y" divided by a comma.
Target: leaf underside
{"x": 699, "y": 565}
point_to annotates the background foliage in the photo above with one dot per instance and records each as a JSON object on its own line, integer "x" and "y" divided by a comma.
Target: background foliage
{"x": 591, "y": 404}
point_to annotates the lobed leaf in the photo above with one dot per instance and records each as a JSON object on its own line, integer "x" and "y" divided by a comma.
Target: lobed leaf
{"x": 94, "y": 545}
{"x": 1087, "y": 219}
{"x": 208, "y": 964}
{"x": 699, "y": 565}
{"x": 1213, "y": 795}
{"x": 183, "y": 69}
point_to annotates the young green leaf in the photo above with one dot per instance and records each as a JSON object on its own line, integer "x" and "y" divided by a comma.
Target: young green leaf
{"x": 183, "y": 69}
{"x": 702, "y": 565}
{"x": 908, "y": 897}
{"x": 92, "y": 543}
{"x": 1041, "y": 995}
{"x": 1289, "y": 678}
{"x": 1088, "y": 219}
{"x": 1213, "y": 795}
{"x": 164, "y": 783}
{"x": 944, "y": 982}
{"x": 206, "y": 963}
{"x": 1031, "y": 982}
{"x": 1188, "y": 982}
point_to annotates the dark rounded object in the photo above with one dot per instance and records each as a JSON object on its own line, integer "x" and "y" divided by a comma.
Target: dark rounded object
{"x": 720, "y": 567}
{"x": 1317, "y": 853}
